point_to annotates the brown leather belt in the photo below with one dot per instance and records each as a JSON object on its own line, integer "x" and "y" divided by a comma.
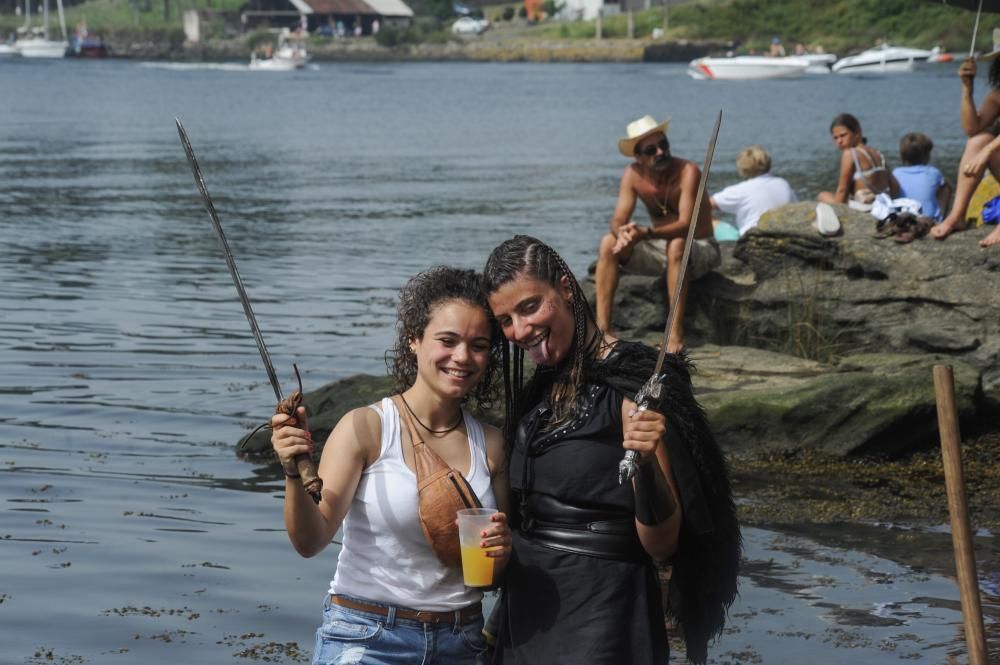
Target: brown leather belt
{"x": 464, "y": 615}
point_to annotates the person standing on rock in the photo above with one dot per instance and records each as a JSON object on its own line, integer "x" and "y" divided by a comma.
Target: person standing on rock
{"x": 582, "y": 585}
{"x": 667, "y": 186}
{"x": 393, "y": 601}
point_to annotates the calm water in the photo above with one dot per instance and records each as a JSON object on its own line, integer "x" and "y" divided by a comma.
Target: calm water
{"x": 129, "y": 531}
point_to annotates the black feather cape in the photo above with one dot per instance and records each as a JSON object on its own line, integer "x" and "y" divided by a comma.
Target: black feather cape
{"x": 706, "y": 563}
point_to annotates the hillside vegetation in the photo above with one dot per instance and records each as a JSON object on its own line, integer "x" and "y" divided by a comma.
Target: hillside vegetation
{"x": 837, "y": 25}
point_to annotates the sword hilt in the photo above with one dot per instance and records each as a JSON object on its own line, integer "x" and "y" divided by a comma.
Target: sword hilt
{"x": 311, "y": 481}
{"x": 628, "y": 467}
{"x": 647, "y": 395}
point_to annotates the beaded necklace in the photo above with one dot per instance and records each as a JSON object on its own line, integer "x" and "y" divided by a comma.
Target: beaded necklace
{"x": 421, "y": 423}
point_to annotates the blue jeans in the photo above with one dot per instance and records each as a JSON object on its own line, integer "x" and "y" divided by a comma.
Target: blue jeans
{"x": 355, "y": 637}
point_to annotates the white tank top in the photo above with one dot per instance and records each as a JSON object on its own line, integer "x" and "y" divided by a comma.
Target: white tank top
{"x": 385, "y": 557}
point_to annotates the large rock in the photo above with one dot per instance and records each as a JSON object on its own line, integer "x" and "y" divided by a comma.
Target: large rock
{"x": 784, "y": 287}
{"x": 807, "y": 342}
{"x": 867, "y": 404}
{"x": 324, "y": 407}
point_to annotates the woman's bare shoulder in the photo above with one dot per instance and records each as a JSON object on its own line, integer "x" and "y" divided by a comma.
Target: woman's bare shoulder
{"x": 362, "y": 427}
{"x": 494, "y": 438}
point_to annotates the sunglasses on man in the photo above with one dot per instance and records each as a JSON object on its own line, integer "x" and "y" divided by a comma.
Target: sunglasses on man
{"x": 650, "y": 150}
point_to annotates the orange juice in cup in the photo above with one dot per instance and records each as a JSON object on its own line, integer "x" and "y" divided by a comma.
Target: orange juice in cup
{"x": 476, "y": 566}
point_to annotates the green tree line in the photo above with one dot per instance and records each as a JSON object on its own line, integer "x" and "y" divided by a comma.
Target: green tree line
{"x": 838, "y": 25}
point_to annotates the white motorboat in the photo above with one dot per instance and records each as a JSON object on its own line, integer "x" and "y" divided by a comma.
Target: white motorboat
{"x": 286, "y": 58}
{"x": 747, "y": 67}
{"x": 7, "y": 50}
{"x": 819, "y": 63}
{"x": 883, "y": 59}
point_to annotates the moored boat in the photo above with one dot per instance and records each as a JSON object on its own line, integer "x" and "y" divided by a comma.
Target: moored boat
{"x": 937, "y": 55}
{"x": 41, "y": 48}
{"x": 747, "y": 67}
{"x": 85, "y": 44}
{"x": 819, "y": 63}
{"x": 36, "y": 45}
{"x": 883, "y": 59}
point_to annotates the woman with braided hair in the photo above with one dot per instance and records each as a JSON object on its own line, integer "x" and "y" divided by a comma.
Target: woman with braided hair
{"x": 582, "y": 584}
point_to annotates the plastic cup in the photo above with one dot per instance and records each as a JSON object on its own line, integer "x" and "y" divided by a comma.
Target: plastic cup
{"x": 477, "y": 568}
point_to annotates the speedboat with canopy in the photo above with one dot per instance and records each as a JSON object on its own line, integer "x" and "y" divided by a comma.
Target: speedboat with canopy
{"x": 883, "y": 59}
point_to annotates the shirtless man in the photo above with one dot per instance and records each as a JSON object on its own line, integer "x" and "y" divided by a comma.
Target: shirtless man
{"x": 667, "y": 185}
{"x": 982, "y": 150}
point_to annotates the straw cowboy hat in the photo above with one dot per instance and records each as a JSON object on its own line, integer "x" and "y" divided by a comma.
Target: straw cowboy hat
{"x": 639, "y": 129}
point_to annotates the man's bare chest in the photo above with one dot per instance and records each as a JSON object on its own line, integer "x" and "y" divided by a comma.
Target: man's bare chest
{"x": 660, "y": 197}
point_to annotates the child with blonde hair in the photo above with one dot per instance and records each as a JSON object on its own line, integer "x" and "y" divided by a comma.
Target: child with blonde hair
{"x": 758, "y": 193}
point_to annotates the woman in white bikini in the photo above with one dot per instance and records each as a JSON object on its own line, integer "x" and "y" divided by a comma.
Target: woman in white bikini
{"x": 863, "y": 174}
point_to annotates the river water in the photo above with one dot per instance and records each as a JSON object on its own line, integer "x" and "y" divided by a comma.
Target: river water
{"x": 129, "y": 530}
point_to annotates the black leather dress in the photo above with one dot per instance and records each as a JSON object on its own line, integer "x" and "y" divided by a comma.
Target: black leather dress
{"x": 579, "y": 587}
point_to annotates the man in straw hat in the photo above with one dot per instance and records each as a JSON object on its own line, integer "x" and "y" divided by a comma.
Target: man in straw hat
{"x": 667, "y": 185}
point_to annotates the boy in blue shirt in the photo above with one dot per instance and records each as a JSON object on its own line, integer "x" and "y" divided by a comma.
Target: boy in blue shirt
{"x": 918, "y": 179}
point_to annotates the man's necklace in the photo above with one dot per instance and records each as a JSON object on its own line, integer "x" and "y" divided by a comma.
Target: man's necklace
{"x": 432, "y": 431}
{"x": 662, "y": 206}
{"x": 666, "y": 197}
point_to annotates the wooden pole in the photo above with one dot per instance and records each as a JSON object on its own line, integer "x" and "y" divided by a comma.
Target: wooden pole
{"x": 961, "y": 534}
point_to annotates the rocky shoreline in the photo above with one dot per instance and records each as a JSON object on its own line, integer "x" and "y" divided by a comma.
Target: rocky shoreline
{"x": 490, "y": 47}
{"x": 851, "y": 432}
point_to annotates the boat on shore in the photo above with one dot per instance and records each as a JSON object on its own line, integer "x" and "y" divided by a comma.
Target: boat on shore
{"x": 747, "y": 68}
{"x": 85, "y": 44}
{"x": 884, "y": 59}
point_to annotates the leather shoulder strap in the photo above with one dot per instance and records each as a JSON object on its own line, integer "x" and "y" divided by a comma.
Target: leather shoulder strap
{"x": 425, "y": 461}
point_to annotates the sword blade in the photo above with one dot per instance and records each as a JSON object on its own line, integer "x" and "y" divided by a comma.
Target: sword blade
{"x": 695, "y": 214}
{"x": 230, "y": 261}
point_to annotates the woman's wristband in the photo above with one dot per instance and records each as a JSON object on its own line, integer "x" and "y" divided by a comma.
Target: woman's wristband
{"x": 290, "y": 475}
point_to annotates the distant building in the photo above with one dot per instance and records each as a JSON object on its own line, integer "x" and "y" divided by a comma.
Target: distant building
{"x": 587, "y": 10}
{"x": 325, "y": 15}
{"x": 584, "y": 10}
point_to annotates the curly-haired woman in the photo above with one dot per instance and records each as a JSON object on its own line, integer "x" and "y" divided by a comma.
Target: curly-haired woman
{"x": 391, "y": 599}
